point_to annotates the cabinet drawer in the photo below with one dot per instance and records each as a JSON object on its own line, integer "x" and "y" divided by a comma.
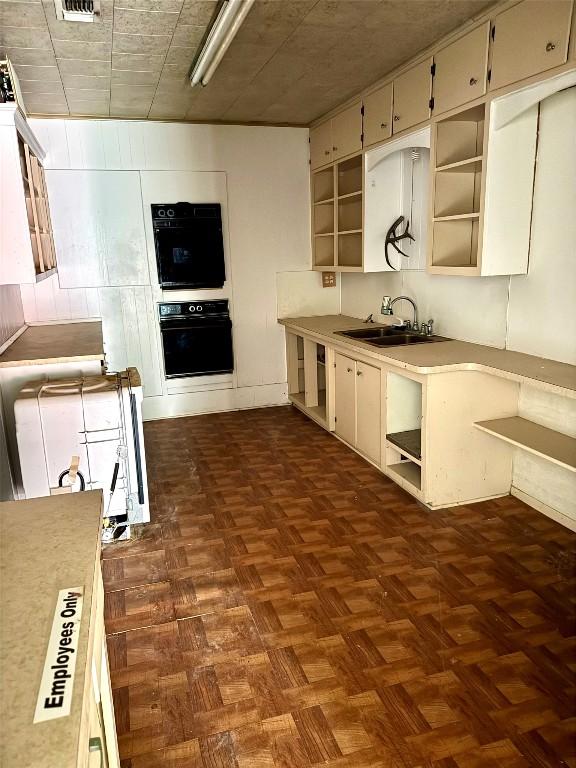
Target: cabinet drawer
{"x": 347, "y": 132}
{"x": 461, "y": 70}
{"x": 321, "y": 145}
{"x": 529, "y": 38}
{"x": 412, "y": 92}
{"x": 378, "y": 115}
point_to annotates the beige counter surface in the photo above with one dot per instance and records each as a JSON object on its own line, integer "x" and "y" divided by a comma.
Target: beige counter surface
{"x": 559, "y": 378}
{"x": 58, "y": 343}
{"x": 46, "y": 545}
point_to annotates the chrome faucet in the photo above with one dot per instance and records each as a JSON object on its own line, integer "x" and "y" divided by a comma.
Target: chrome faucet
{"x": 388, "y": 303}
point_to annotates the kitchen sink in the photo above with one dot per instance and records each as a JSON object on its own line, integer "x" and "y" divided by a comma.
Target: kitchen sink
{"x": 389, "y": 336}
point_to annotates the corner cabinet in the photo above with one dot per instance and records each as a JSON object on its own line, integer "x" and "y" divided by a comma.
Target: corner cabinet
{"x": 529, "y": 38}
{"x": 336, "y": 138}
{"x": 26, "y": 243}
{"x": 419, "y": 430}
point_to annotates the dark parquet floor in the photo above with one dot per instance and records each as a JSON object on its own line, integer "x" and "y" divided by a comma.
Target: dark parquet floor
{"x": 289, "y": 607}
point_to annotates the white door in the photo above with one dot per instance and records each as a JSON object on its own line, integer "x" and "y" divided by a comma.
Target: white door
{"x": 345, "y": 396}
{"x": 368, "y": 411}
{"x": 98, "y": 228}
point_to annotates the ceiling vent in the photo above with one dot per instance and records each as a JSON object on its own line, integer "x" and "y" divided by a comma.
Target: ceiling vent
{"x": 77, "y": 10}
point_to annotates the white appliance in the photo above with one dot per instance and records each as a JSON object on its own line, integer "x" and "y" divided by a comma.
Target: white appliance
{"x": 99, "y": 419}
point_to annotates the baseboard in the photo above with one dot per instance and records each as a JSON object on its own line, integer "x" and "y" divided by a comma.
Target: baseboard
{"x": 559, "y": 517}
{"x": 214, "y": 401}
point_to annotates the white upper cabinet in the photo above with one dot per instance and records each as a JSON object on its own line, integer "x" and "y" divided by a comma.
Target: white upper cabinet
{"x": 461, "y": 69}
{"x": 378, "y": 115}
{"x": 412, "y": 92}
{"x": 336, "y": 138}
{"x": 98, "y": 228}
{"x": 529, "y": 38}
{"x": 321, "y": 145}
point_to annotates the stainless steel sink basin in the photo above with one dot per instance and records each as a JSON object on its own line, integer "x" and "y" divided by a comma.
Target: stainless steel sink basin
{"x": 389, "y": 336}
{"x": 372, "y": 333}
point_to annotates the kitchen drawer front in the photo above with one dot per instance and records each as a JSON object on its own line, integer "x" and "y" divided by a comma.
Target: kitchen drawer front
{"x": 461, "y": 70}
{"x": 529, "y": 38}
{"x": 378, "y": 115}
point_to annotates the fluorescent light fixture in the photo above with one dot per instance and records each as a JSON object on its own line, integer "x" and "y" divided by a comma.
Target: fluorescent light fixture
{"x": 228, "y": 22}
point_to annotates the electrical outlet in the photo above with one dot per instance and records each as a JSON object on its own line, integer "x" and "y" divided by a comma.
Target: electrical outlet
{"x": 328, "y": 279}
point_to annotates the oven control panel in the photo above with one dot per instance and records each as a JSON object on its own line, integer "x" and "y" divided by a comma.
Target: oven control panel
{"x": 187, "y": 309}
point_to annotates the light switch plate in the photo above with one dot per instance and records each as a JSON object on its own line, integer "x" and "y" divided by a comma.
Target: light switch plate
{"x": 328, "y": 279}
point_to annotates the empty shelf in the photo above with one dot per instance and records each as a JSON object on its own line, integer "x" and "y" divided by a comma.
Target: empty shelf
{"x": 541, "y": 441}
{"x": 409, "y": 442}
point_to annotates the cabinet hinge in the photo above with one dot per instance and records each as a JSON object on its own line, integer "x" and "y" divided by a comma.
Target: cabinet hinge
{"x": 362, "y": 109}
{"x": 362, "y": 138}
{"x": 433, "y": 69}
{"x": 431, "y": 103}
{"x": 489, "y": 75}
{"x": 335, "y": 419}
{"x": 493, "y": 32}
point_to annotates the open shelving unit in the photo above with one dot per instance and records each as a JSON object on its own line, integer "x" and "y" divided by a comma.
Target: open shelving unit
{"x": 38, "y": 211}
{"x": 306, "y": 363}
{"x": 403, "y": 456}
{"x": 337, "y": 216}
{"x": 541, "y": 441}
{"x": 457, "y": 199}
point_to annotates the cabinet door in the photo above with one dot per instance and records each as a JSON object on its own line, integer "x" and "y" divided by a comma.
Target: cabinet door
{"x": 378, "y": 115}
{"x": 98, "y": 227}
{"x": 321, "y": 145}
{"x": 529, "y": 38}
{"x": 345, "y": 396}
{"x": 368, "y": 411}
{"x": 412, "y": 92}
{"x": 347, "y": 132}
{"x": 461, "y": 70}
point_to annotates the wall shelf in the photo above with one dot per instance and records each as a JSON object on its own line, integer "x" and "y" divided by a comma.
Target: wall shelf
{"x": 324, "y": 202}
{"x": 541, "y": 441}
{"x": 350, "y": 195}
{"x": 462, "y": 165}
{"x": 457, "y": 217}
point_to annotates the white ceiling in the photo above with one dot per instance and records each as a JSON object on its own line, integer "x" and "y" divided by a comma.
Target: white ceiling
{"x": 292, "y": 61}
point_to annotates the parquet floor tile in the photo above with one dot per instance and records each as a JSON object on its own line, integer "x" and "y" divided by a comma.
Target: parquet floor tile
{"x": 290, "y": 607}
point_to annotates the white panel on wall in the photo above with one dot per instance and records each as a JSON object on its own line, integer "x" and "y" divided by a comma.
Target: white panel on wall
{"x": 98, "y": 228}
{"x": 301, "y": 294}
{"x": 542, "y": 313}
{"x": 46, "y": 302}
{"x": 129, "y": 337}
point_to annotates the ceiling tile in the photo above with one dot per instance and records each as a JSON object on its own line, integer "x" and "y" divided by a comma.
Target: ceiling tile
{"x": 144, "y": 22}
{"x": 168, "y": 6}
{"x": 132, "y": 111}
{"x": 25, "y": 38}
{"x": 80, "y": 67}
{"x": 31, "y": 56}
{"x": 83, "y": 82}
{"x": 46, "y": 104}
{"x": 77, "y": 94}
{"x": 44, "y": 74}
{"x": 133, "y": 77}
{"x": 123, "y": 61}
{"x": 89, "y": 109}
{"x": 186, "y": 35}
{"x": 130, "y": 93}
{"x": 71, "y": 49}
{"x": 141, "y": 44}
{"x": 99, "y": 31}
{"x": 178, "y": 56}
{"x": 21, "y": 14}
{"x": 198, "y": 12}
{"x": 39, "y": 86}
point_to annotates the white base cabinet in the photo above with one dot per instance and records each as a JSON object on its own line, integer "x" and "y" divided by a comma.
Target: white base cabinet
{"x": 417, "y": 429}
{"x": 358, "y": 405}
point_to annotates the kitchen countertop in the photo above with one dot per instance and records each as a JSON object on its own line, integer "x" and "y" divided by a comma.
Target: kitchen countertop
{"x": 558, "y": 378}
{"x": 57, "y": 343}
{"x": 46, "y": 545}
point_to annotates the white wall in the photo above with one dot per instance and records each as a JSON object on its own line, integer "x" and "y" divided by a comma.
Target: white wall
{"x": 533, "y": 313}
{"x": 266, "y": 171}
{"x": 11, "y": 320}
